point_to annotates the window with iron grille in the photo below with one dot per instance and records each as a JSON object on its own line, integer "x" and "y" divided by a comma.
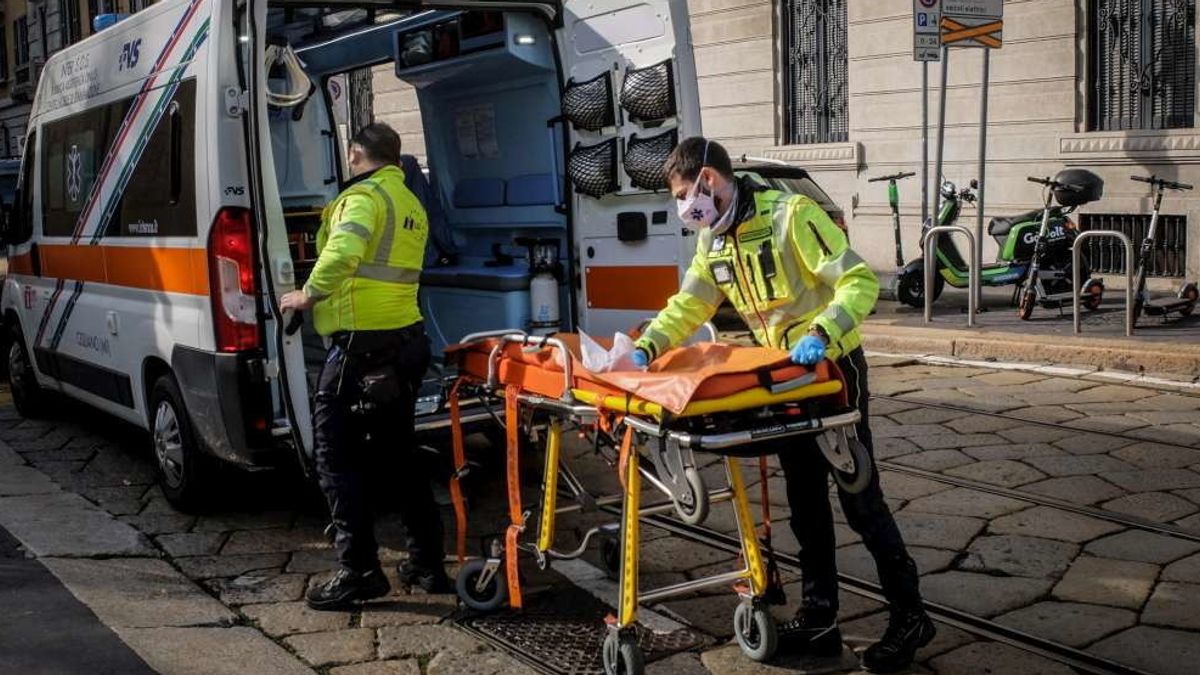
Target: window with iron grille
{"x": 1107, "y": 255}
{"x": 1142, "y": 64}
{"x": 4, "y": 57}
{"x": 68, "y": 22}
{"x": 21, "y": 36}
{"x": 814, "y": 59}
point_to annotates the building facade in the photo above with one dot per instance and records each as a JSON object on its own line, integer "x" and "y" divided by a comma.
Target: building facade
{"x": 30, "y": 31}
{"x": 831, "y": 85}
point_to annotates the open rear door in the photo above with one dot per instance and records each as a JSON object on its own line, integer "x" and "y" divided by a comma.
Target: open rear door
{"x": 630, "y": 97}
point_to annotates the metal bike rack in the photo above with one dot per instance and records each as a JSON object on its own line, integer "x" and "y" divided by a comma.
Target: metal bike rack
{"x": 1075, "y": 281}
{"x": 930, "y": 264}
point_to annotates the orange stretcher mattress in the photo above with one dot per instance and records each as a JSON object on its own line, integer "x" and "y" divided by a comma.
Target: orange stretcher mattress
{"x": 705, "y": 371}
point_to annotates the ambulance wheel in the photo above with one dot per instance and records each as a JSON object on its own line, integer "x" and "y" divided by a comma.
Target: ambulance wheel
{"x": 621, "y": 654}
{"x": 854, "y": 482}
{"x": 183, "y": 469}
{"x": 696, "y": 512}
{"x": 30, "y": 399}
{"x": 755, "y": 631}
{"x": 490, "y": 597}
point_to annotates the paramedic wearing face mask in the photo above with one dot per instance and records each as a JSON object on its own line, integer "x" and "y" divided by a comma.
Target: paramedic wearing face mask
{"x": 363, "y": 293}
{"x": 789, "y": 272}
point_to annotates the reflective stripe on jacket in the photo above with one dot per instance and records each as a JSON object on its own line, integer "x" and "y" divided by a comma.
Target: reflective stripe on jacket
{"x": 786, "y": 268}
{"x": 371, "y": 246}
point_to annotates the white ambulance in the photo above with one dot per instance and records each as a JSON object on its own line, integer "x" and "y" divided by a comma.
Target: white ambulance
{"x": 176, "y": 164}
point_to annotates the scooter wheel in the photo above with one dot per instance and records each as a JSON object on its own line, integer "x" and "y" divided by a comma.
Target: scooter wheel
{"x": 1025, "y": 309}
{"x": 1093, "y": 295}
{"x": 1188, "y": 292}
{"x": 488, "y": 598}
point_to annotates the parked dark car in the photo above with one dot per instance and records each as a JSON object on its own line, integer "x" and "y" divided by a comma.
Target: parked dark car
{"x": 779, "y": 175}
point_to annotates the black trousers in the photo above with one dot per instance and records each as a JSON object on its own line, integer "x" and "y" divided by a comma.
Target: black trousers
{"x": 356, "y": 438}
{"x": 807, "y": 476}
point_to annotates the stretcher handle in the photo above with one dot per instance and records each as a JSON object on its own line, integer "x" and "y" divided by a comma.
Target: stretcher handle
{"x": 708, "y": 326}
{"x": 533, "y": 341}
{"x": 488, "y": 335}
{"x": 792, "y": 384}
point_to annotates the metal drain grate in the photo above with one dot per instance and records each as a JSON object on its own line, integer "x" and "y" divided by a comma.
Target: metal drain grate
{"x": 562, "y": 632}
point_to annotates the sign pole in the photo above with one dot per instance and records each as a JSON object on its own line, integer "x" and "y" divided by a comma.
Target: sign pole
{"x": 941, "y": 137}
{"x": 983, "y": 122}
{"x": 924, "y": 141}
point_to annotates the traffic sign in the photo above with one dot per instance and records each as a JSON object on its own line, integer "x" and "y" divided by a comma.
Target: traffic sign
{"x": 926, "y": 30}
{"x": 972, "y": 23}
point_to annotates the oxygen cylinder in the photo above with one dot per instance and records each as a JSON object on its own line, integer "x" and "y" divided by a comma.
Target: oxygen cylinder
{"x": 543, "y": 304}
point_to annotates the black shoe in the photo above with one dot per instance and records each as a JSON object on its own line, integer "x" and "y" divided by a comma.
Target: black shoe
{"x": 431, "y": 579}
{"x": 347, "y": 588}
{"x": 811, "y": 633}
{"x": 907, "y": 631}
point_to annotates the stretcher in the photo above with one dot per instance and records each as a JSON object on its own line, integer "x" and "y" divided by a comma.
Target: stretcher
{"x": 733, "y": 402}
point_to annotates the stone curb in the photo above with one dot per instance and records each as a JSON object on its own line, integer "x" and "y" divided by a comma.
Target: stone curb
{"x": 1179, "y": 360}
{"x": 169, "y": 621}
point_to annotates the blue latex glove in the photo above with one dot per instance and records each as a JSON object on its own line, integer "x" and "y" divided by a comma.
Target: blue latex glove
{"x": 641, "y": 358}
{"x": 808, "y": 351}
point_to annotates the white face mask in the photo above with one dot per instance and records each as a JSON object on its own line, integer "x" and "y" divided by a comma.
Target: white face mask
{"x": 698, "y": 208}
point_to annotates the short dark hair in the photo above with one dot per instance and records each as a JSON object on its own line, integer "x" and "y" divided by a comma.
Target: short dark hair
{"x": 691, "y": 155}
{"x": 380, "y": 142}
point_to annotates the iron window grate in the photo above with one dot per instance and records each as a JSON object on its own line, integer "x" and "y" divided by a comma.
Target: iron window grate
{"x": 1107, "y": 255}
{"x": 1142, "y": 64}
{"x": 815, "y": 72}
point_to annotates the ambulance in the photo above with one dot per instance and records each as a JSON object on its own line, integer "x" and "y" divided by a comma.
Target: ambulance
{"x": 176, "y": 164}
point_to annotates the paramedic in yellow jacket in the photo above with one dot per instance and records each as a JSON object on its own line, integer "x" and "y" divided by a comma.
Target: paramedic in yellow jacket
{"x": 788, "y": 270}
{"x": 363, "y": 294}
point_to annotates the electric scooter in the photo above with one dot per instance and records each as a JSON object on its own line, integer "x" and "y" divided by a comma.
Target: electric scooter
{"x": 1185, "y": 300}
{"x": 1016, "y": 237}
{"x": 894, "y": 203}
{"x": 1049, "y": 282}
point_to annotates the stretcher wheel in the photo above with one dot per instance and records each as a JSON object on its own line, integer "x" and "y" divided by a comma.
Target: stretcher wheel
{"x": 610, "y": 555}
{"x": 854, "y": 482}
{"x": 755, "y": 631}
{"x": 621, "y": 654}
{"x": 696, "y": 512}
{"x": 490, "y": 597}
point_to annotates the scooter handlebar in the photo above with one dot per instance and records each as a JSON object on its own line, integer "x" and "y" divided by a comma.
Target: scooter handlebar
{"x": 894, "y": 176}
{"x": 1156, "y": 181}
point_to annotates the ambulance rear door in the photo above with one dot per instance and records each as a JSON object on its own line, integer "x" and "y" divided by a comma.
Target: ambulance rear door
{"x": 630, "y": 95}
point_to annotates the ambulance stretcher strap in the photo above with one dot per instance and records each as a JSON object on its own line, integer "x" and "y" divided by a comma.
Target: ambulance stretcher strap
{"x": 460, "y": 468}
{"x": 512, "y": 416}
{"x": 624, "y": 456}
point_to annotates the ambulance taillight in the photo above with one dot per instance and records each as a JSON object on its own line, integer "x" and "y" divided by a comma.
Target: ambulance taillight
{"x": 232, "y": 281}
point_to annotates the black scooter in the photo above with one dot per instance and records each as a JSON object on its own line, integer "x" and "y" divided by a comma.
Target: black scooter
{"x": 1185, "y": 300}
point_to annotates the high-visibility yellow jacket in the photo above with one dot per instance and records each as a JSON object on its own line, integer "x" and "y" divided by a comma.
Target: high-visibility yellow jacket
{"x": 371, "y": 246}
{"x": 786, "y": 267}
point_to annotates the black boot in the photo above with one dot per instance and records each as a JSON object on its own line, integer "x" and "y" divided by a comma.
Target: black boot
{"x": 907, "y": 631}
{"x": 347, "y": 588}
{"x": 811, "y": 633}
{"x": 430, "y": 578}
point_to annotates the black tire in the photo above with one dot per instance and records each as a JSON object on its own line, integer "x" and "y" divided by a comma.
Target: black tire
{"x": 491, "y": 597}
{"x": 854, "y": 482}
{"x": 755, "y": 631}
{"x": 185, "y": 471}
{"x": 910, "y": 287}
{"x": 1188, "y": 292}
{"x": 1028, "y": 301}
{"x": 697, "y": 512}
{"x": 610, "y": 556}
{"x": 30, "y": 399}
{"x": 1093, "y": 292}
{"x": 621, "y": 655}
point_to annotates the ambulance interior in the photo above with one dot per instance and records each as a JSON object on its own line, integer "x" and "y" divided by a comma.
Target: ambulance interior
{"x": 488, "y": 89}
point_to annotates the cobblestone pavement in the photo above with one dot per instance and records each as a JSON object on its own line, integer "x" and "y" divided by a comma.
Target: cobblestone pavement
{"x": 1027, "y": 498}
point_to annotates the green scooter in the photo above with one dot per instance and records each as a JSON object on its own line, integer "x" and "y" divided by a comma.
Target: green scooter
{"x": 1017, "y": 236}
{"x": 894, "y": 203}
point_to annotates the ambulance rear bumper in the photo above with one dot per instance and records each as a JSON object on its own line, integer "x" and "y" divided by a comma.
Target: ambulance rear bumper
{"x": 229, "y": 403}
